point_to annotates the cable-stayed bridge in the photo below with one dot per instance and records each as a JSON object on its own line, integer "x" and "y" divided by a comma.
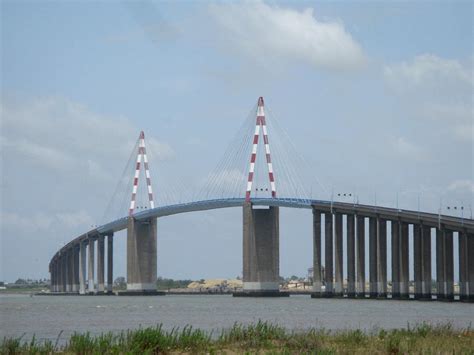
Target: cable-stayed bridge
{"x": 272, "y": 178}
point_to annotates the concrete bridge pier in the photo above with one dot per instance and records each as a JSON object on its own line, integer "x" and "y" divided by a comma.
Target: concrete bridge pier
{"x": 373, "y": 262}
{"x": 110, "y": 262}
{"x": 351, "y": 289}
{"x": 54, "y": 276}
{"x": 470, "y": 268}
{"x": 449, "y": 265}
{"x": 466, "y": 267}
{"x": 67, "y": 270}
{"x": 328, "y": 255}
{"x": 382, "y": 258}
{"x": 426, "y": 263}
{"x": 141, "y": 257}
{"x": 417, "y": 260}
{"x": 404, "y": 261}
{"x": 261, "y": 252}
{"x": 338, "y": 256}
{"x": 463, "y": 266}
{"x": 100, "y": 264}
{"x": 82, "y": 268}
{"x": 444, "y": 265}
{"x": 360, "y": 257}
{"x": 317, "y": 274}
{"x": 90, "y": 267}
{"x": 63, "y": 273}
{"x": 75, "y": 284}
{"x": 395, "y": 259}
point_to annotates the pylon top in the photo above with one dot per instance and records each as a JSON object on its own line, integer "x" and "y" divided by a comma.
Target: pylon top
{"x": 253, "y": 157}
{"x": 141, "y": 155}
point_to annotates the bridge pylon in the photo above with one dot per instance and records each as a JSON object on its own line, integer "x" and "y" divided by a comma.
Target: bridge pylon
{"x": 261, "y": 234}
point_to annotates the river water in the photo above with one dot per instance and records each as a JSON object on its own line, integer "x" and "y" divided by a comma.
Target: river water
{"x": 48, "y": 316}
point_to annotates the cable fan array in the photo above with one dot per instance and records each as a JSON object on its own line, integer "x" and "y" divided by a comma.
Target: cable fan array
{"x": 294, "y": 178}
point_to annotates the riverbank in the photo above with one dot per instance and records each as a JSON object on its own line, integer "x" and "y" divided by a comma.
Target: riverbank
{"x": 261, "y": 336}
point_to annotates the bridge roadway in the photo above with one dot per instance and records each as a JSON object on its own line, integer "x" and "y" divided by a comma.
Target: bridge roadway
{"x": 67, "y": 274}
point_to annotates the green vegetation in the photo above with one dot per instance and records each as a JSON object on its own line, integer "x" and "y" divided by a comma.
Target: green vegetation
{"x": 259, "y": 337}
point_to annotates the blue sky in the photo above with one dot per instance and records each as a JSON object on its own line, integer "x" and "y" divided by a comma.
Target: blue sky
{"x": 376, "y": 95}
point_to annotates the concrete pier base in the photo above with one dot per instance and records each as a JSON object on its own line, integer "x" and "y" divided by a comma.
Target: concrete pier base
{"x": 261, "y": 252}
{"x": 141, "y": 255}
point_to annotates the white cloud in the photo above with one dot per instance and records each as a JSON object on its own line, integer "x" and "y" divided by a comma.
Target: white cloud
{"x": 436, "y": 89}
{"x": 59, "y": 134}
{"x": 407, "y": 149}
{"x": 268, "y": 31}
{"x": 428, "y": 70}
{"x": 40, "y": 222}
{"x": 462, "y": 185}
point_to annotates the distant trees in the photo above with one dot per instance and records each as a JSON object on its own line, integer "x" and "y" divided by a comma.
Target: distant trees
{"x": 165, "y": 284}
{"x": 120, "y": 282}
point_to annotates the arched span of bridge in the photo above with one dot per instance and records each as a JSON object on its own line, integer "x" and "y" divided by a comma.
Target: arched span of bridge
{"x": 68, "y": 264}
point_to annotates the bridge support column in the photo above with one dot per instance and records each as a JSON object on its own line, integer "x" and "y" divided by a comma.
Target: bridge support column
{"x": 449, "y": 265}
{"x": 317, "y": 282}
{"x": 395, "y": 259}
{"x": 53, "y": 277}
{"x": 328, "y": 255}
{"x": 463, "y": 270}
{"x": 470, "y": 267}
{"x": 68, "y": 264}
{"x": 75, "y": 286}
{"x": 360, "y": 256}
{"x": 404, "y": 262}
{"x": 110, "y": 262}
{"x": 426, "y": 263}
{"x": 373, "y": 278}
{"x": 440, "y": 262}
{"x": 382, "y": 258}
{"x": 91, "y": 286}
{"x": 339, "y": 250}
{"x": 82, "y": 268}
{"x": 261, "y": 252}
{"x": 350, "y": 256}
{"x": 71, "y": 269}
{"x": 417, "y": 260}
{"x": 100, "y": 264}
{"x": 141, "y": 256}
{"x": 63, "y": 272}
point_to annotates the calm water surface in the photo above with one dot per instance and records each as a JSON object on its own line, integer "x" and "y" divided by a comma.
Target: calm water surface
{"x": 47, "y": 316}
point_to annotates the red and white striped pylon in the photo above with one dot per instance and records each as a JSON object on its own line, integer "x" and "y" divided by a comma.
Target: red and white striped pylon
{"x": 253, "y": 157}
{"x": 141, "y": 154}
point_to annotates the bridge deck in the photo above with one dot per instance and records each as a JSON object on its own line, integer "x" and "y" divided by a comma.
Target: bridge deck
{"x": 428, "y": 219}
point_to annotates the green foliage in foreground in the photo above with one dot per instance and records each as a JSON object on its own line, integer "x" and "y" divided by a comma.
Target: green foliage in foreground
{"x": 261, "y": 337}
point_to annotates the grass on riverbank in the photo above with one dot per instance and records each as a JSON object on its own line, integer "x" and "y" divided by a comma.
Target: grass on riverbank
{"x": 261, "y": 336}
